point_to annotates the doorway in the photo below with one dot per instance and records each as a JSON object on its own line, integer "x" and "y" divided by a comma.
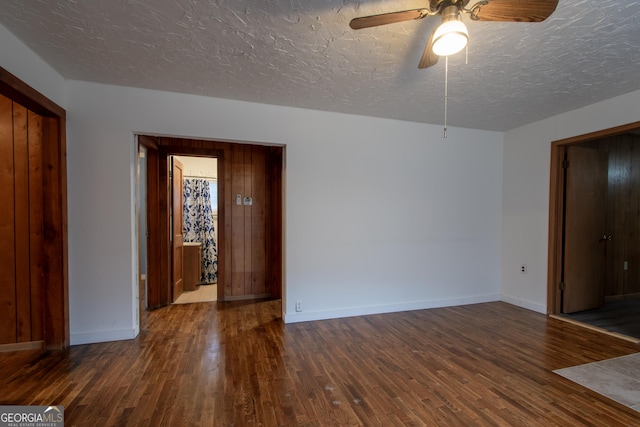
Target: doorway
{"x": 198, "y": 202}
{"x": 250, "y": 217}
{"x": 594, "y": 225}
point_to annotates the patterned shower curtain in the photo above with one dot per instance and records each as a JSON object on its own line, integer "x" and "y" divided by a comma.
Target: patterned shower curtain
{"x": 198, "y": 225}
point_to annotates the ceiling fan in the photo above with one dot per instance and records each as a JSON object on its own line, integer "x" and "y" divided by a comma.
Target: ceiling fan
{"x": 452, "y": 35}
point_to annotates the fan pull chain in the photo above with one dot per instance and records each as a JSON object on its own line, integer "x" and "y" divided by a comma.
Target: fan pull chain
{"x": 446, "y": 91}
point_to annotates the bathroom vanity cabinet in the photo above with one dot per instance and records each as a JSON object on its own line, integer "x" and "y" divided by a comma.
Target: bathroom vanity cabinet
{"x": 192, "y": 265}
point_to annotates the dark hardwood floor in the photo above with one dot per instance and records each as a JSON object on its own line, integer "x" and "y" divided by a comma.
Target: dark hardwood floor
{"x": 622, "y": 317}
{"x": 224, "y": 364}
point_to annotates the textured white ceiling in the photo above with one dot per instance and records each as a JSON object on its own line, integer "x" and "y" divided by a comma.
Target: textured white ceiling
{"x": 302, "y": 53}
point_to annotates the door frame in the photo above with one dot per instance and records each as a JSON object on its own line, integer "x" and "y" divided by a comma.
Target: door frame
{"x": 159, "y": 149}
{"x": 556, "y": 209}
{"x": 56, "y": 270}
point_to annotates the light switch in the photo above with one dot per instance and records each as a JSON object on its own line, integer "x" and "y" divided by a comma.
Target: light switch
{"x": 239, "y": 199}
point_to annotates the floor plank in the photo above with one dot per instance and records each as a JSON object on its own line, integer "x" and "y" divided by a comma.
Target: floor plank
{"x": 236, "y": 363}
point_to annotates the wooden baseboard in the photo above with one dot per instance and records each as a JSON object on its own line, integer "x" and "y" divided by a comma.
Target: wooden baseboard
{"x": 244, "y": 297}
{"x": 20, "y": 346}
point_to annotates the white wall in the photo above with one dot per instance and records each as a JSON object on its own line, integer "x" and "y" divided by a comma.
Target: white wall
{"x": 526, "y": 172}
{"x": 380, "y": 215}
{"x": 199, "y": 166}
{"x": 20, "y": 61}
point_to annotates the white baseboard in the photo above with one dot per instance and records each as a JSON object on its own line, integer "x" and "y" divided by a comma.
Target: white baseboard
{"x": 519, "y": 302}
{"x": 102, "y": 336}
{"x": 306, "y": 316}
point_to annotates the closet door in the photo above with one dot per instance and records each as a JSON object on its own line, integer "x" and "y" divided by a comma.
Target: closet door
{"x": 21, "y": 224}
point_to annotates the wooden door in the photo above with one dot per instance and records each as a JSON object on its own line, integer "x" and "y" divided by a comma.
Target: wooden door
{"x": 177, "y": 246}
{"x": 585, "y": 226}
{"x": 21, "y": 224}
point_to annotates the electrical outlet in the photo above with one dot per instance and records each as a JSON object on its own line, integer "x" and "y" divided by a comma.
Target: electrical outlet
{"x": 523, "y": 269}
{"x": 298, "y": 305}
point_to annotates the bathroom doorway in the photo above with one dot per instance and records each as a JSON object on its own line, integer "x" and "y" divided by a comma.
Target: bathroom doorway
{"x": 199, "y": 206}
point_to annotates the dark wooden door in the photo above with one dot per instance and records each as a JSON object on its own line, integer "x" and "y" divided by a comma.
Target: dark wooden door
{"x": 178, "y": 238}
{"x": 21, "y": 224}
{"x": 585, "y": 229}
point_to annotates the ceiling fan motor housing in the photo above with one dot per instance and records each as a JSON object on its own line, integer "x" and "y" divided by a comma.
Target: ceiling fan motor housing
{"x": 452, "y": 35}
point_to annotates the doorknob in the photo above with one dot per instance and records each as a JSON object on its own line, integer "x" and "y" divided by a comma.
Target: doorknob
{"x": 605, "y": 238}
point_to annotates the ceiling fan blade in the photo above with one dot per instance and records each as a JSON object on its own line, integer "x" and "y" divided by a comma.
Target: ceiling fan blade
{"x": 513, "y": 10}
{"x": 387, "y": 18}
{"x": 428, "y": 57}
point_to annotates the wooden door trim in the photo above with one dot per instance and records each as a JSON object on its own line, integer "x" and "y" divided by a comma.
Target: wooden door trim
{"x": 56, "y": 274}
{"x": 556, "y": 208}
{"x": 158, "y": 151}
{"x": 20, "y": 92}
{"x": 162, "y": 148}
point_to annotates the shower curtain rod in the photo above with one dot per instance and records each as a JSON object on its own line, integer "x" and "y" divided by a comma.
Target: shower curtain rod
{"x": 200, "y": 177}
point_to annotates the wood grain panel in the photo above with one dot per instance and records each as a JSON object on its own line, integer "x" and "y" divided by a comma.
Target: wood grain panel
{"x": 21, "y": 223}
{"x": 225, "y": 203}
{"x": 8, "y": 315}
{"x": 51, "y": 198}
{"x": 236, "y": 287}
{"x": 584, "y": 269}
{"x": 258, "y": 221}
{"x": 623, "y": 214}
{"x": 56, "y": 284}
{"x": 247, "y": 178}
{"x": 632, "y": 285}
{"x": 275, "y": 166}
{"x": 154, "y": 248}
{"x": 612, "y": 274}
{"x": 164, "y": 201}
{"x": 36, "y": 225}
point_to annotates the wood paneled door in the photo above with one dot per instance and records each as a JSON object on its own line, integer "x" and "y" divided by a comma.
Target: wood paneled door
{"x": 34, "y": 303}
{"x": 177, "y": 241}
{"x": 585, "y": 229}
{"x": 21, "y": 224}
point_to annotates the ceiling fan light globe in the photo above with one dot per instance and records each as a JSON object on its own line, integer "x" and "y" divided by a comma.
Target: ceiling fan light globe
{"x": 450, "y": 37}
